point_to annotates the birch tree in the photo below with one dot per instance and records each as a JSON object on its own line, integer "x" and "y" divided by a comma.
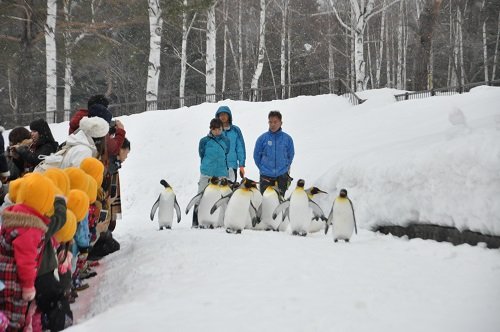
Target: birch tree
{"x": 185, "y": 34}
{"x": 262, "y": 44}
{"x": 495, "y": 55}
{"x": 284, "y": 14}
{"x": 155, "y": 33}
{"x": 211, "y": 58}
{"x": 51, "y": 61}
{"x": 362, "y": 11}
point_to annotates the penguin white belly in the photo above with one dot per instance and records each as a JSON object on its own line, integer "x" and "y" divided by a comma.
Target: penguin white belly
{"x": 237, "y": 210}
{"x": 256, "y": 202}
{"x": 299, "y": 214}
{"x": 166, "y": 209}
{"x": 342, "y": 220}
{"x": 210, "y": 196}
{"x": 269, "y": 203}
{"x": 222, "y": 211}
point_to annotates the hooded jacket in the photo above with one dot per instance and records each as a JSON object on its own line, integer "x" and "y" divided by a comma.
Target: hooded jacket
{"x": 80, "y": 146}
{"x": 273, "y": 153}
{"x": 237, "y": 153}
{"x": 213, "y": 151}
{"x": 4, "y": 167}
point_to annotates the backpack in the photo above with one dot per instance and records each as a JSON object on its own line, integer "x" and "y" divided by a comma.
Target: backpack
{"x": 54, "y": 160}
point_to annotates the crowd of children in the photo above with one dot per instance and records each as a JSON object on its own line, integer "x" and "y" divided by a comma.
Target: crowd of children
{"x": 60, "y": 204}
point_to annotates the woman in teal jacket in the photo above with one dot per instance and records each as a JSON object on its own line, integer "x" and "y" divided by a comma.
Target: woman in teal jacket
{"x": 213, "y": 150}
{"x": 237, "y": 154}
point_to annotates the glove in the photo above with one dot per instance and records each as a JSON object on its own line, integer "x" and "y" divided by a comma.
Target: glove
{"x": 242, "y": 171}
{"x": 28, "y": 294}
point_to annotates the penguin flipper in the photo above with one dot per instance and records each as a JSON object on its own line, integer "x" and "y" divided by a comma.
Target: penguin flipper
{"x": 195, "y": 200}
{"x": 222, "y": 201}
{"x": 253, "y": 215}
{"x": 154, "y": 208}
{"x": 330, "y": 218}
{"x": 317, "y": 211}
{"x": 177, "y": 210}
{"x": 354, "y": 217}
{"x": 281, "y": 208}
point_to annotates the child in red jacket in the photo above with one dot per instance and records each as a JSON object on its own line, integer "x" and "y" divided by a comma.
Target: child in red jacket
{"x": 21, "y": 244}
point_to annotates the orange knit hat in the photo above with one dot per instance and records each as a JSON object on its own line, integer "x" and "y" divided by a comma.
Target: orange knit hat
{"x": 92, "y": 190}
{"x": 93, "y": 167}
{"x": 66, "y": 233}
{"x": 77, "y": 178}
{"x": 60, "y": 179}
{"x": 14, "y": 186}
{"x": 37, "y": 192}
{"x": 78, "y": 202}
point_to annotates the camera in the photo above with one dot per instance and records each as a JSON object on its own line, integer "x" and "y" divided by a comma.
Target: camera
{"x": 112, "y": 127}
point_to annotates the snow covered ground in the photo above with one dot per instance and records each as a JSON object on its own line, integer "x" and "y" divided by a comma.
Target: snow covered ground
{"x": 431, "y": 160}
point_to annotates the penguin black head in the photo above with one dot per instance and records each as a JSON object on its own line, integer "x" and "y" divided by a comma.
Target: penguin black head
{"x": 316, "y": 190}
{"x": 343, "y": 193}
{"x": 223, "y": 182}
{"x": 301, "y": 183}
{"x": 247, "y": 183}
{"x": 214, "y": 180}
{"x": 164, "y": 183}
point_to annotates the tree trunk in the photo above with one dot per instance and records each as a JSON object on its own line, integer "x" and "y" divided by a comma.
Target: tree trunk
{"x": 240, "y": 48}
{"x": 155, "y": 33}
{"x": 399, "y": 60}
{"x": 51, "y": 62}
{"x": 485, "y": 45}
{"x": 262, "y": 45}
{"x": 426, "y": 22}
{"x": 185, "y": 32}
{"x": 388, "y": 57}
{"x": 224, "y": 64}
{"x": 283, "y": 48}
{"x": 460, "y": 47}
{"x": 211, "y": 58}
{"x": 495, "y": 55}
{"x": 378, "y": 61}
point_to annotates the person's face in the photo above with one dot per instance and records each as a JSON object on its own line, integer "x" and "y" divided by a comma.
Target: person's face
{"x": 274, "y": 123}
{"x": 123, "y": 154}
{"x": 224, "y": 117}
{"x": 35, "y": 135}
{"x": 216, "y": 131}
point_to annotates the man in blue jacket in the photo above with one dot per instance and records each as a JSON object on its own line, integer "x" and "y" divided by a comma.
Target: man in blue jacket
{"x": 237, "y": 154}
{"x": 273, "y": 154}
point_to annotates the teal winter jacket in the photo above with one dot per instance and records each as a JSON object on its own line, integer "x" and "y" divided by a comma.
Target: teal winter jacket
{"x": 237, "y": 153}
{"x": 213, "y": 152}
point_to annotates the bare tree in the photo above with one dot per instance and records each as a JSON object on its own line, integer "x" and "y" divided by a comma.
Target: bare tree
{"x": 155, "y": 34}
{"x": 51, "y": 61}
{"x": 211, "y": 57}
{"x": 262, "y": 45}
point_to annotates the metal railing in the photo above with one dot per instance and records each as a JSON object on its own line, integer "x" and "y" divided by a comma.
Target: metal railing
{"x": 313, "y": 88}
{"x": 447, "y": 91}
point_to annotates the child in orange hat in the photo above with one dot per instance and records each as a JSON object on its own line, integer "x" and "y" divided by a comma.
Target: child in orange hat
{"x": 21, "y": 241}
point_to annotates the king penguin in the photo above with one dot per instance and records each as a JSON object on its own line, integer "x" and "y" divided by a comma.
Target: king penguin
{"x": 342, "y": 218}
{"x": 316, "y": 224}
{"x": 298, "y": 205}
{"x": 165, "y": 204}
{"x": 270, "y": 200}
{"x": 239, "y": 207}
{"x": 203, "y": 201}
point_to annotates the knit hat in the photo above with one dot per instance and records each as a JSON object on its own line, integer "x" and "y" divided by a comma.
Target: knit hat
{"x": 97, "y": 99}
{"x": 101, "y": 111}
{"x": 94, "y": 168}
{"x": 94, "y": 127}
{"x": 92, "y": 190}
{"x": 78, "y": 202}
{"x": 14, "y": 186}
{"x": 60, "y": 179}
{"x": 77, "y": 178}
{"x": 66, "y": 233}
{"x": 37, "y": 192}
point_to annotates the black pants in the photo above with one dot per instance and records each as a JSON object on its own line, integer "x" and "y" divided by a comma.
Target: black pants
{"x": 283, "y": 183}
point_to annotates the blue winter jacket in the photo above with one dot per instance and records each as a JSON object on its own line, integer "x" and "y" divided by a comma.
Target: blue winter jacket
{"x": 213, "y": 153}
{"x": 237, "y": 154}
{"x": 273, "y": 153}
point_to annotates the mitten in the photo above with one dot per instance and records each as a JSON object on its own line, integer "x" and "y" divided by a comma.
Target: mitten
{"x": 242, "y": 171}
{"x": 28, "y": 294}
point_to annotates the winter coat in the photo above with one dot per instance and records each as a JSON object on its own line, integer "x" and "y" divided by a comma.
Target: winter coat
{"x": 80, "y": 146}
{"x": 21, "y": 244}
{"x": 273, "y": 153}
{"x": 213, "y": 152}
{"x": 74, "y": 123}
{"x": 237, "y": 154}
{"x": 31, "y": 155}
{"x": 49, "y": 262}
